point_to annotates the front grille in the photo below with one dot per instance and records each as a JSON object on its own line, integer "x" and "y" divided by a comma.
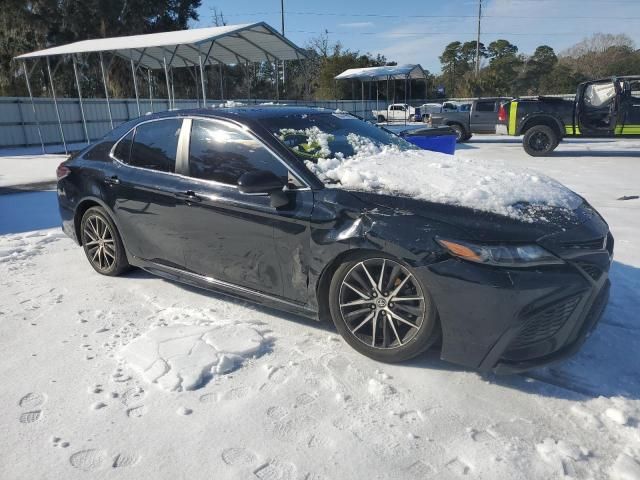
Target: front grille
{"x": 546, "y": 323}
{"x": 593, "y": 244}
{"x": 590, "y": 269}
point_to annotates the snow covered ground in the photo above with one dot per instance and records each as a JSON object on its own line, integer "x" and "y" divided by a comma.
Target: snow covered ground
{"x": 138, "y": 377}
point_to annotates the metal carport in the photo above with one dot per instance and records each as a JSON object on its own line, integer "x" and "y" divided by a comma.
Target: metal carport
{"x": 388, "y": 72}
{"x": 230, "y": 45}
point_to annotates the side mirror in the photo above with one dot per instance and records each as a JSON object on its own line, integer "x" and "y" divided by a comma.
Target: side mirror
{"x": 262, "y": 182}
{"x": 259, "y": 181}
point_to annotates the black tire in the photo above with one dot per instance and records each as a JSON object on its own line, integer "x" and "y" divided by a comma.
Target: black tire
{"x": 461, "y": 133}
{"x": 102, "y": 244}
{"x": 540, "y": 140}
{"x": 375, "y": 338}
{"x": 381, "y": 119}
{"x": 412, "y": 118}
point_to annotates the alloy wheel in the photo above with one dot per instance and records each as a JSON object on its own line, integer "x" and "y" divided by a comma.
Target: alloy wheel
{"x": 100, "y": 243}
{"x": 381, "y": 303}
{"x": 540, "y": 141}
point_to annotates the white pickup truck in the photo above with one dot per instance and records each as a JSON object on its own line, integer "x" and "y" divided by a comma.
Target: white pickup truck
{"x": 396, "y": 112}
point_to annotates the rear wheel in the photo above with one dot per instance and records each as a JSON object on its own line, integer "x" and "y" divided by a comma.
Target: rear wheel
{"x": 540, "y": 140}
{"x": 102, "y": 244}
{"x": 382, "y": 309}
{"x": 381, "y": 119}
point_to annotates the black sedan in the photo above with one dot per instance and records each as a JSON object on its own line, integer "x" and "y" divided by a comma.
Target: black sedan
{"x": 227, "y": 199}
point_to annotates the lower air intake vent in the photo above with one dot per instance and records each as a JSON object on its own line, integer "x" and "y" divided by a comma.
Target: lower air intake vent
{"x": 546, "y": 323}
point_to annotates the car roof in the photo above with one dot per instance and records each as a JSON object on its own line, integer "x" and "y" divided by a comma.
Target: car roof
{"x": 242, "y": 112}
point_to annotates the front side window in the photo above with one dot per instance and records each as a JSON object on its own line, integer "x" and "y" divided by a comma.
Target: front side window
{"x": 155, "y": 145}
{"x": 222, "y": 153}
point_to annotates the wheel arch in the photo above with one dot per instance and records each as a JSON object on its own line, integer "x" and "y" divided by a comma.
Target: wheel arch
{"x": 547, "y": 120}
{"x": 324, "y": 281}
{"x": 84, "y": 205}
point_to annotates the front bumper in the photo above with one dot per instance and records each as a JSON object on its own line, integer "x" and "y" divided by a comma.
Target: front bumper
{"x": 512, "y": 320}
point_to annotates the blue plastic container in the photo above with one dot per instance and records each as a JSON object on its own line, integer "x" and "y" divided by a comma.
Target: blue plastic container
{"x": 440, "y": 139}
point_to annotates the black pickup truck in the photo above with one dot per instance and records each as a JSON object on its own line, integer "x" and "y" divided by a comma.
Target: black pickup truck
{"x": 608, "y": 108}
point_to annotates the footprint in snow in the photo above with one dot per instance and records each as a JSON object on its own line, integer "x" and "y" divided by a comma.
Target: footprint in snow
{"x": 137, "y": 412}
{"x": 276, "y": 470}
{"x": 238, "y": 456}
{"x": 32, "y": 400}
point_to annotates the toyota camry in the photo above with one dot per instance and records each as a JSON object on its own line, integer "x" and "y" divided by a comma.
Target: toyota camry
{"x": 319, "y": 213}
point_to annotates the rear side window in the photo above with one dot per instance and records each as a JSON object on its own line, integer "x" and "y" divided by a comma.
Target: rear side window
{"x": 485, "y": 106}
{"x": 222, "y": 153}
{"x": 123, "y": 149}
{"x": 155, "y": 145}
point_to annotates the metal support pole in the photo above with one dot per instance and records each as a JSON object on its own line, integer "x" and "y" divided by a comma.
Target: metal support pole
{"x": 478, "y": 39}
{"x": 166, "y": 76}
{"x": 84, "y": 120}
{"x": 277, "y": 71}
{"x": 173, "y": 91}
{"x": 377, "y": 97}
{"x": 150, "y": 88}
{"x": 204, "y": 93}
{"x": 406, "y": 111}
{"x": 135, "y": 86}
{"x": 248, "y": 68}
{"x": 55, "y": 103}
{"x": 221, "y": 83}
{"x": 33, "y": 105}
{"x": 362, "y": 98}
{"x": 106, "y": 89}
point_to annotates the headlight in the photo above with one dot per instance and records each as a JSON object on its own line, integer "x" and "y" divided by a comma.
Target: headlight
{"x": 500, "y": 255}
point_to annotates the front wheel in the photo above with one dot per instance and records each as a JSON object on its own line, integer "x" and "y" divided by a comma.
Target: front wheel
{"x": 102, "y": 244}
{"x": 540, "y": 140}
{"x": 461, "y": 134}
{"x": 382, "y": 309}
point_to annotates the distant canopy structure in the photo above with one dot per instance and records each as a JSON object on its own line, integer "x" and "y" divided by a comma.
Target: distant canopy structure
{"x": 389, "y": 72}
{"x": 229, "y": 44}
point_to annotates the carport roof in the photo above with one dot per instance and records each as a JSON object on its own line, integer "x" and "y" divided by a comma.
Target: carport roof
{"x": 229, "y": 44}
{"x": 394, "y": 72}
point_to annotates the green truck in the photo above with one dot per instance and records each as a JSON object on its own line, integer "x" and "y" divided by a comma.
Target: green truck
{"x": 606, "y": 108}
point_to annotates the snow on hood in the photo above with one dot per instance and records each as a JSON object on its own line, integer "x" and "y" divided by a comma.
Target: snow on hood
{"x": 491, "y": 186}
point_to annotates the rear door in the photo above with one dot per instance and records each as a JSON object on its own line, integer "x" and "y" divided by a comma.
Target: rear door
{"x": 484, "y": 116}
{"x": 239, "y": 238}
{"x": 142, "y": 191}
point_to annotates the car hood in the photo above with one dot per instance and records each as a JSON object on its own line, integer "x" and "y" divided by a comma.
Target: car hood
{"x": 494, "y": 187}
{"x": 479, "y": 225}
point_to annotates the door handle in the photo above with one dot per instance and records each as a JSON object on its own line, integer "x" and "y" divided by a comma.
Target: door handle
{"x": 189, "y": 196}
{"x": 636, "y": 105}
{"x": 112, "y": 180}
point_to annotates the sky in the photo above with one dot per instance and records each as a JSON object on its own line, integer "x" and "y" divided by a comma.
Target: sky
{"x": 416, "y": 31}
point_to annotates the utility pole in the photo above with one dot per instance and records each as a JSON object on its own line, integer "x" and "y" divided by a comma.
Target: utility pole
{"x": 282, "y": 23}
{"x": 478, "y": 40}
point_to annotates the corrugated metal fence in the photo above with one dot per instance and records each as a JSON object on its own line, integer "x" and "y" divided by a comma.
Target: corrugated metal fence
{"x": 18, "y": 125}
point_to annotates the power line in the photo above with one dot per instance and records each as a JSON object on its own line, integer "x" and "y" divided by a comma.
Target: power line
{"x": 409, "y": 17}
{"x": 450, "y": 32}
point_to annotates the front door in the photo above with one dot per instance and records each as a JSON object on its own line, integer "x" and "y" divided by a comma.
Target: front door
{"x": 598, "y": 108}
{"x": 238, "y": 238}
{"x": 143, "y": 192}
{"x": 630, "y": 106}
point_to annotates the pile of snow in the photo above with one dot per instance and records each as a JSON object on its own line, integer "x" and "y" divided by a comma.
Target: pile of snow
{"x": 185, "y": 357}
{"x": 484, "y": 185}
{"x": 230, "y": 104}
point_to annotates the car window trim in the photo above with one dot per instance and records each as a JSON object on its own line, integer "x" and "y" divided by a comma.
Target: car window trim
{"x": 132, "y": 129}
{"x": 247, "y": 131}
{"x": 182, "y": 155}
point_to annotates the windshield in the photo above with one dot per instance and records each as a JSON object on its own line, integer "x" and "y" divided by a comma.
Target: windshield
{"x": 312, "y": 136}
